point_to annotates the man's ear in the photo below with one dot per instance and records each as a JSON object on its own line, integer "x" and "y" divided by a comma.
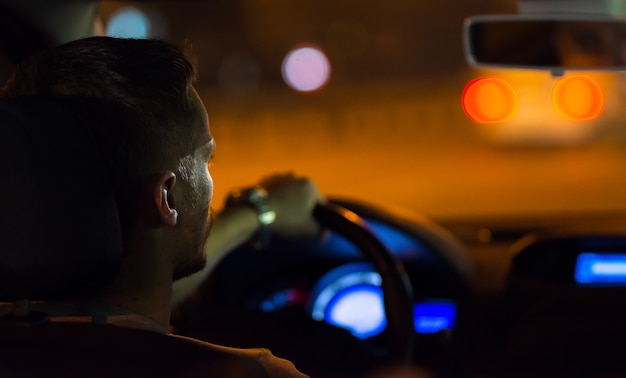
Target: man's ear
{"x": 164, "y": 199}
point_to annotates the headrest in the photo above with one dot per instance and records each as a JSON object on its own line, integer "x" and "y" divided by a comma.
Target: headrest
{"x": 59, "y": 227}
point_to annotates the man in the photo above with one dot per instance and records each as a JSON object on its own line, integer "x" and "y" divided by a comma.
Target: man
{"x": 158, "y": 150}
{"x": 29, "y": 26}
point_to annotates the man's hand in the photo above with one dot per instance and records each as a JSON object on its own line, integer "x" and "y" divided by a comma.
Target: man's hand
{"x": 293, "y": 199}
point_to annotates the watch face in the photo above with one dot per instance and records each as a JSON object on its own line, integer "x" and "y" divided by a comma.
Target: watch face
{"x": 258, "y": 197}
{"x": 268, "y": 217}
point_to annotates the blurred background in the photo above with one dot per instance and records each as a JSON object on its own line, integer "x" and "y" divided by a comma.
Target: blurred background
{"x": 365, "y": 97}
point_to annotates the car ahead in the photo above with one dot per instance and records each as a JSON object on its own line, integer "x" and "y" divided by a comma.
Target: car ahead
{"x": 511, "y": 230}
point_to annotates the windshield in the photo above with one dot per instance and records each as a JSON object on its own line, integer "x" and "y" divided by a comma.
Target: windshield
{"x": 379, "y": 117}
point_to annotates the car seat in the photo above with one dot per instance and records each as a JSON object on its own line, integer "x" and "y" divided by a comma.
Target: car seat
{"x": 60, "y": 239}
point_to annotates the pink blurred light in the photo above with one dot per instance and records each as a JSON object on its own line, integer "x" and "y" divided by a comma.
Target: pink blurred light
{"x": 306, "y": 69}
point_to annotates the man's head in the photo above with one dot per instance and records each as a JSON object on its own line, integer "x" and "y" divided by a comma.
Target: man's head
{"x": 151, "y": 124}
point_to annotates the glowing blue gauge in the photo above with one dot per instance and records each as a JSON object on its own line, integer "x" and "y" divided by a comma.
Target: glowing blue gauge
{"x": 340, "y": 279}
{"x": 350, "y": 297}
{"x": 359, "y": 309}
{"x": 601, "y": 268}
{"x": 129, "y": 23}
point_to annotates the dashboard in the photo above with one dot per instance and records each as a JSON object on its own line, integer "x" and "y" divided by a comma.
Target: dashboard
{"x": 329, "y": 280}
{"x": 301, "y": 297}
{"x": 350, "y": 295}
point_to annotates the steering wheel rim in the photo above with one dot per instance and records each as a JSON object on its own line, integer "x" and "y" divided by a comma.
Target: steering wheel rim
{"x": 396, "y": 285}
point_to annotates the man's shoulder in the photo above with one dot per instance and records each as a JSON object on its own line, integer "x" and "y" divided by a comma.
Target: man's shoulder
{"x": 273, "y": 366}
{"x": 76, "y": 349}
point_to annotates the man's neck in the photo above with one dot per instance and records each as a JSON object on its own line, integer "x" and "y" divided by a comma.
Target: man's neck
{"x": 144, "y": 283}
{"x": 141, "y": 288}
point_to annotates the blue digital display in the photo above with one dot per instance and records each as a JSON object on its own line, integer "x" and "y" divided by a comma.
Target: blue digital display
{"x": 432, "y": 317}
{"x": 601, "y": 268}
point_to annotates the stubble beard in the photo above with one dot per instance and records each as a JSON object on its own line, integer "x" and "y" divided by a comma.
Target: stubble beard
{"x": 197, "y": 261}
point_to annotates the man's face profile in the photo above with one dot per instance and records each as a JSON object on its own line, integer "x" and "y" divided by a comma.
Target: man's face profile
{"x": 197, "y": 186}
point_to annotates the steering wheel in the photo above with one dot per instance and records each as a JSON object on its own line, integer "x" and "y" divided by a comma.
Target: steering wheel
{"x": 396, "y": 286}
{"x": 244, "y": 329}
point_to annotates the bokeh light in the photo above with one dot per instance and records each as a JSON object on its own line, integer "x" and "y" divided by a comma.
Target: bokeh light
{"x": 490, "y": 100}
{"x": 578, "y": 98}
{"x": 306, "y": 69}
{"x": 129, "y": 23}
{"x": 537, "y": 122}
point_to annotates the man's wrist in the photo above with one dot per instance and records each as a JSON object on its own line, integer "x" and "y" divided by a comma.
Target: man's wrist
{"x": 256, "y": 198}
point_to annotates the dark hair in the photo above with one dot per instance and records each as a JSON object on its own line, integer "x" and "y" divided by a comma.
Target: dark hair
{"x": 148, "y": 117}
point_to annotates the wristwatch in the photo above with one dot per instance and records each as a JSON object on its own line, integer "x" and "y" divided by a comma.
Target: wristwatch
{"x": 255, "y": 197}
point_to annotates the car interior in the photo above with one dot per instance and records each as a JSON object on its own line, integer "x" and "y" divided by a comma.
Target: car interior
{"x": 472, "y": 153}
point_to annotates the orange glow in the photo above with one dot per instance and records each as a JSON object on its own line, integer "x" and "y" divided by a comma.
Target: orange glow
{"x": 490, "y": 100}
{"x": 578, "y": 98}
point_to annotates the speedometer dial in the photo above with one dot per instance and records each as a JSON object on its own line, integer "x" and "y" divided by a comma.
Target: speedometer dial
{"x": 350, "y": 297}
